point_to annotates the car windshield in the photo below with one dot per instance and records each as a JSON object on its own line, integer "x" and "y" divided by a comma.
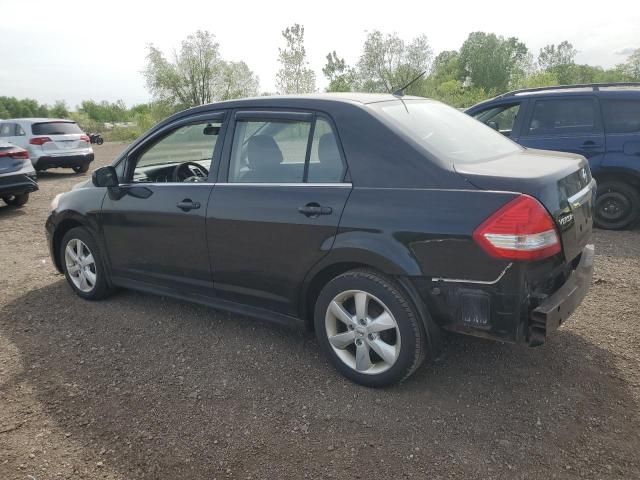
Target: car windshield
{"x": 55, "y": 128}
{"x": 448, "y": 134}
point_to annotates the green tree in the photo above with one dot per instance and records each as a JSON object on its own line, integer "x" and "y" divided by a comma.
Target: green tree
{"x": 294, "y": 75}
{"x": 631, "y": 68}
{"x": 197, "y": 74}
{"x": 489, "y": 61}
{"x": 552, "y": 56}
{"x": 388, "y": 63}
{"x": 341, "y": 77}
{"x": 59, "y": 109}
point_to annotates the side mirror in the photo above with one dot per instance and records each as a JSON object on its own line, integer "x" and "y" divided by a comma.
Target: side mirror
{"x": 493, "y": 125}
{"x": 105, "y": 177}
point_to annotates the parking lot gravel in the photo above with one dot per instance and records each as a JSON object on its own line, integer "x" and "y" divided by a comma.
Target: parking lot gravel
{"x": 147, "y": 387}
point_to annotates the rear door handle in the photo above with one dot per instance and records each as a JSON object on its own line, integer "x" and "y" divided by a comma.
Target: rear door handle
{"x": 186, "y": 205}
{"x": 314, "y": 210}
{"x": 589, "y": 144}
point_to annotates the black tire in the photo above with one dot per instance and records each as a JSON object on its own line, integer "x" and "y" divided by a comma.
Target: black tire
{"x": 84, "y": 168}
{"x": 412, "y": 344}
{"x": 617, "y": 205}
{"x": 100, "y": 288}
{"x": 99, "y": 140}
{"x": 16, "y": 200}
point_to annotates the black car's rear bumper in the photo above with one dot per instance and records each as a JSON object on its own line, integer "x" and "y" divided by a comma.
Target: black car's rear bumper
{"x": 66, "y": 161}
{"x": 17, "y": 184}
{"x": 555, "y": 309}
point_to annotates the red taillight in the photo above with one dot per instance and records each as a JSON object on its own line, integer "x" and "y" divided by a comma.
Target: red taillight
{"x": 19, "y": 154}
{"x": 85, "y": 138}
{"x": 39, "y": 140}
{"x": 520, "y": 230}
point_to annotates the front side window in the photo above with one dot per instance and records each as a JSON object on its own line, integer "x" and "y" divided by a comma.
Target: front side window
{"x": 271, "y": 151}
{"x": 183, "y": 155}
{"x": 564, "y": 116}
{"x": 500, "y": 118}
{"x": 19, "y": 131}
{"x": 621, "y": 116}
{"x": 6, "y": 129}
{"x": 445, "y": 132}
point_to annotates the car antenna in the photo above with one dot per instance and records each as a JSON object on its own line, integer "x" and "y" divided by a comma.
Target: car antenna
{"x": 400, "y": 92}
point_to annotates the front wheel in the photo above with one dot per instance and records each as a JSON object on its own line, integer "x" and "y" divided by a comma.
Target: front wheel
{"x": 84, "y": 168}
{"x": 366, "y": 325}
{"x": 617, "y": 205}
{"x": 16, "y": 200}
{"x": 99, "y": 140}
{"x": 82, "y": 264}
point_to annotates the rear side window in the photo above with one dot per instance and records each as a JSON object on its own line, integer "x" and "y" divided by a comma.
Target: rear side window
{"x": 325, "y": 161}
{"x": 269, "y": 151}
{"x": 564, "y": 116}
{"x": 55, "y": 128}
{"x": 621, "y": 116}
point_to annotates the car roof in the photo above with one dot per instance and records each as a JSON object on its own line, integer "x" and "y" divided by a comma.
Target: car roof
{"x": 38, "y": 120}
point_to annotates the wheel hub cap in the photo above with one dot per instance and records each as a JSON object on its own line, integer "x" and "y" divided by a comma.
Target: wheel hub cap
{"x": 362, "y": 332}
{"x": 80, "y": 265}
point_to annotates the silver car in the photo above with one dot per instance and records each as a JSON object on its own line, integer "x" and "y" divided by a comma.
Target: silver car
{"x": 51, "y": 143}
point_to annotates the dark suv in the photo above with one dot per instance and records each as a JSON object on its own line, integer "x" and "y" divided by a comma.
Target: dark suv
{"x": 374, "y": 218}
{"x": 599, "y": 121}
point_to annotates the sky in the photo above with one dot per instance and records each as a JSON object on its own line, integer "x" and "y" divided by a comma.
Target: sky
{"x": 83, "y": 50}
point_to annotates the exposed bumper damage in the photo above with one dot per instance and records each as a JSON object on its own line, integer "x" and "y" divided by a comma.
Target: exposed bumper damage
{"x": 555, "y": 309}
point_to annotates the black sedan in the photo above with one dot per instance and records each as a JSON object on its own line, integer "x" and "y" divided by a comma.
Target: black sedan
{"x": 377, "y": 220}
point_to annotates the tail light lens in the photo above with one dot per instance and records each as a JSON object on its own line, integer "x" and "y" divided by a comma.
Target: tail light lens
{"x": 85, "y": 138}
{"x": 520, "y": 230}
{"x": 18, "y": 154}
{"x": 39, "y": 140}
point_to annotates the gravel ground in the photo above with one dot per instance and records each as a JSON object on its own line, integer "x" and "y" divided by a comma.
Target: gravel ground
{"x": 139, "y": 386}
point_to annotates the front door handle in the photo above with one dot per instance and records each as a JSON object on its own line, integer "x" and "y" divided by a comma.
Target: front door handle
{"x": 589, "y": 144}
{"x": 314, "y": 210}
{"x": 186, "y": 205}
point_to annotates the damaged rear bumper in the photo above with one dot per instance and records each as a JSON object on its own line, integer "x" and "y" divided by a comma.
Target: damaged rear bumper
{"x": 556, "y": 308}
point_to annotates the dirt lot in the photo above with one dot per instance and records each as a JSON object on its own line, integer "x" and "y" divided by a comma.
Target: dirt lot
{"x": 147, "y": 387}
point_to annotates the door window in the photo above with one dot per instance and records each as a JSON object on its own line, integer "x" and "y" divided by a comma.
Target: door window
{"x": 621, "y": 116}
{"x": 184, "y": 155}
{"x": 325, "y": 161}
{"x": 269, "y": 151}
{"x": 19, "y": 131}
{"x": 565, "y": 116}
{"x": 500, "y": 118}
{"x": 7, "y": 130}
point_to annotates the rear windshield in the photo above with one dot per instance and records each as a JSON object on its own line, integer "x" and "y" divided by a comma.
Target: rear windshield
{"x": 445, "y": 132}
{"x": 55, "y": 128}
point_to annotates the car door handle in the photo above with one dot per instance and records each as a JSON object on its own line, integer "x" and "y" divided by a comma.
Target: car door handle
{"x": 186, "y": 205}
{"x": 589, "y": 144}
{"x": 314, "y": 210}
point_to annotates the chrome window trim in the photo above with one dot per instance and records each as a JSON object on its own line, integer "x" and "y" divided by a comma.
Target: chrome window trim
{"x": 577, "y": 199}
{"x": 296, "y": 184}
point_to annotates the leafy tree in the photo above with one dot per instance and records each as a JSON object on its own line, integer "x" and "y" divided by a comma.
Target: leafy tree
{"x": 237, "y": 81}
{"x": 59, "y": 109}
{"x": 553, "y": 56}
{"x": 631, "y": 68}
{"x": 197, "y": 74}
{"x": 387, "y": 62}
{"x": 341, "y": 77}
{"x": 489, "y": 61}
{"x": 294, "y": 75}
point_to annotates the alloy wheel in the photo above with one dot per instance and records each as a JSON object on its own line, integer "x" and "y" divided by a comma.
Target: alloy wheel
{"x": 362, "y": 332}
{"x": 81, "y": 265}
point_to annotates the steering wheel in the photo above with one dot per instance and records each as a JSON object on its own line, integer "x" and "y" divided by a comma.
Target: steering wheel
{"x": 189, "y": 172}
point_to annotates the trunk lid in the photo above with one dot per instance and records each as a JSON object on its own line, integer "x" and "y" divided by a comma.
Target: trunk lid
{"x": 560, "y": 181}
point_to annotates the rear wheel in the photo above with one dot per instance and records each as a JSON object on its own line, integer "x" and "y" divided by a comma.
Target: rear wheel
{"x": 99, "y": 140}
{"x": 16, "y": 200}
{"x": 366, "y": 325}
{"x": 84, "y": 168}
{"x": 82, "y": 264}
{"x": 617, "y": 205}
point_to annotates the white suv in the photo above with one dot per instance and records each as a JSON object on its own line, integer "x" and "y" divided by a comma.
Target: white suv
{"x": 52, "y": 143}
